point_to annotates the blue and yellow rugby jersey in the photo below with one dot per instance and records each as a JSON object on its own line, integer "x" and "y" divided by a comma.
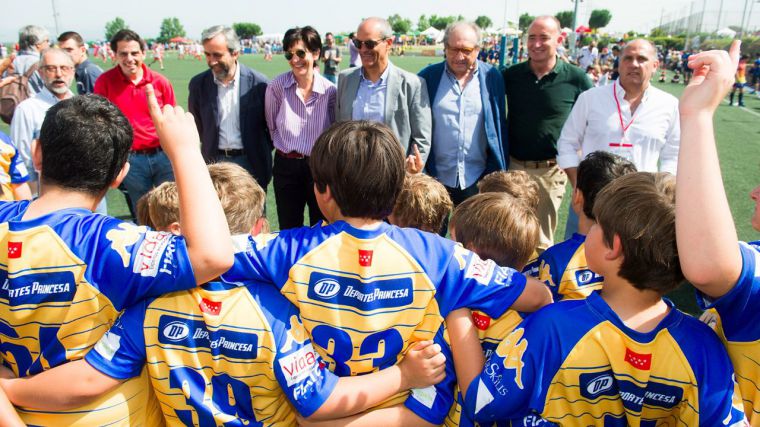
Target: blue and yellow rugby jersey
{"x": 575, "y": 363}
{"x": 219, "y": 355}
{"x": 739, "y": 327}
{"x": 66, "y": 276}
{"x": 366, "y": 295}
{"x": 12, "y": 169}
{"x": 564, "y": 269}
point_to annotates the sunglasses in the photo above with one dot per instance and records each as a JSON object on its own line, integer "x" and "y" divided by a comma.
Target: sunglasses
{"x": 369, "y": 43}
{"x": 299, "y": 53}
{"x": 466, "y": 51}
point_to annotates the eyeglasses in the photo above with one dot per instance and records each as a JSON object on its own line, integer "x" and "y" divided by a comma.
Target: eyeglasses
{"x": 369, "y": 43}
{"x": 53, "y": 68}
{"x": 466, "y": 51}
{"x": 299, "y": 53}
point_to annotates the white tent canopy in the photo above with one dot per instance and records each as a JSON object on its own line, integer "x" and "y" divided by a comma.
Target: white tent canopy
{"x": 431, "y": 32}
{"x": 726, "y": 32}
{"x": 271, "y": 38}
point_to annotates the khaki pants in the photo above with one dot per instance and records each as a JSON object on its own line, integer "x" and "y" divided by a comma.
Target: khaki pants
{"x": 551, "y": 189}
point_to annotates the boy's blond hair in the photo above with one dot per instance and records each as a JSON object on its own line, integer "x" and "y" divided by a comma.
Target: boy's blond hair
{"x": 517, "y": 184}
{"x": 498, "y": 226}
{"x": 423, "y": 203}
{"x": 241, "y": 197}
{"x": 666, "y": 184}
{"x": 163, "y": 206}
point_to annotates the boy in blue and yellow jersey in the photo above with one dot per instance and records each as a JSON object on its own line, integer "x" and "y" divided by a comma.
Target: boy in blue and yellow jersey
{"x": 423, "y": 203}
{"x": 726, "y": 273}
{"x": 622, "y": 356}
{"x": 366, "y": 289}
{"x": 498, "y": 226}
{"x": 13, "y": 173}
{"x": 68, "y": 273}
{"x": 563, "y": 267}
{"x": 218, "y": 354}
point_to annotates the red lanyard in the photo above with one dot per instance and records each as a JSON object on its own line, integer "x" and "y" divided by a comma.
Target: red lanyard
{"x": 623, "y": 126}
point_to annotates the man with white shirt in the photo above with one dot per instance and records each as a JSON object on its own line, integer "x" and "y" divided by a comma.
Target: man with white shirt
{"x": 629, "y": 118}
{"x": 57, "y": 70}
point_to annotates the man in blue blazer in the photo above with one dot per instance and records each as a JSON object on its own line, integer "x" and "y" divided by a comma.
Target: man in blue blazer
{"x": 468, "y": 105}
{"x": 227, "y": 102}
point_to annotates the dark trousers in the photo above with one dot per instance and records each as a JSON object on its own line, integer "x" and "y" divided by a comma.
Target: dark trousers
{"x": 458, "y": 196}
{"x": 293, "y": 190}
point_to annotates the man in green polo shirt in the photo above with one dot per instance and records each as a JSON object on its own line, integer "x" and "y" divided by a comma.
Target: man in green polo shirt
{"x": 540, "y": 94}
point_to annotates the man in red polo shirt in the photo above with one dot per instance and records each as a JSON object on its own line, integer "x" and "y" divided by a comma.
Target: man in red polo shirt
{"x": 124, "y": 85}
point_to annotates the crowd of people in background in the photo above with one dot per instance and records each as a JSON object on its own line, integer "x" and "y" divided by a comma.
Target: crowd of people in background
{"x": 194, "y": 313}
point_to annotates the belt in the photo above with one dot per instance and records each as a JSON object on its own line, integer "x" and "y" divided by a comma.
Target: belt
{"x": 535, "y": 164}
{"x": 146, "y": 151}
{"x": 291, "y": 155}
{"x": 230, "y": 153}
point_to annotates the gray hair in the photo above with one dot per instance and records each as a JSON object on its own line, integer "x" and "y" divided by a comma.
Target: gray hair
{"x": 455, "y": 25}
{"x": 386, "y": 32}
{"x": 57, "y": 50}
{"x": 32, "y": 35}
{"x": 233, "y": 42}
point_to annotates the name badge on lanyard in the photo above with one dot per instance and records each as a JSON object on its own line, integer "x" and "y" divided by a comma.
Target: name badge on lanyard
{"x": 622, "y": 148}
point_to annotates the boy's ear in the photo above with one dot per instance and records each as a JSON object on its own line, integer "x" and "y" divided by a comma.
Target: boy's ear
{"x": 616, "y": 251}
{"x": 576, "y": 201}
{"x": 261, "y": 226}
{"x": 36, "y": 155}
{"x": 175, "y": 228}
{"x": 120, "y": 177}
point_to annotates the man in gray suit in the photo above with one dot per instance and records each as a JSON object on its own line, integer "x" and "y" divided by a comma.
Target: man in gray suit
{"x": 382, "y": 92}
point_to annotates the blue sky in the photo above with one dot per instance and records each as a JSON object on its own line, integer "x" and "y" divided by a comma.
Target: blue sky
{"x": 89, "y": 16}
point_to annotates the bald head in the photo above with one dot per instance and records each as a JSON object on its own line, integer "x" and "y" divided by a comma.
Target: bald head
{"x": 637, "y": 64}
{"x": 641, "y": 44}
{"x": 376, "y": 38}
{"x": 548, "y": 22}
{"x": 376, "y": 25}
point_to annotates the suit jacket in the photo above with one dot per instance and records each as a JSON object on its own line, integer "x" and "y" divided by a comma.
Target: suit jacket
{"x": 407, "y": 106}
{"x": 257, "y": 143}
{"x": 494, "y": 105}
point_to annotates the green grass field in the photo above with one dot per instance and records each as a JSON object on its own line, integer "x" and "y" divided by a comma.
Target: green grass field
{"x": 737, "y": 129}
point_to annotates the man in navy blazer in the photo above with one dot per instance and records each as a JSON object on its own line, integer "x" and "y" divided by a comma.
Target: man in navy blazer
{"x": 227, "y": 102}
{"x": 468, "y": 104}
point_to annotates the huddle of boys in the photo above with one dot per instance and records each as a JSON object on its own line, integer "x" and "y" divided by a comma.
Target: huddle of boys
{"x": 286, "y": 325}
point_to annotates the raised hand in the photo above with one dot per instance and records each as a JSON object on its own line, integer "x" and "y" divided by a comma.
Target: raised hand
{"x": 175, "y": 128}
{"x": 414, "y": 163}
{"x": 713, "y": 77}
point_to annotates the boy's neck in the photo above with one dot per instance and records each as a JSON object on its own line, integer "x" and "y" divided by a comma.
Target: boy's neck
{"x": 54, "y": 198}
{"x": 360, "y": 223}
{"x": 640, "y": 310}
{"x": 584, "y": 224}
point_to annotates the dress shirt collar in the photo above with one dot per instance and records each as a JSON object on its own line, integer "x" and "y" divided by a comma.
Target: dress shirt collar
{"x": 451, "y": 75}
{"x": 383, "y": 77}
{"x": 621, "y": 91}
{"x": 235, "y": 78}
{"x": 319, "y": 85}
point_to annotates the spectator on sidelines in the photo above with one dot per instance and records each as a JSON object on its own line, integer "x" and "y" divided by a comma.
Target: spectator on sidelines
{"x": 381, "y": 92}
{"x": 227, "y": 102}
{"x": 86, "y": 72}
{"x": 300, "y": 105}
{"x": 124, "y": 85}
{"x": 32, "y": 40}
{"x": 540, "y": 94}
{"x": 331, "y": 58}
{"x": 469, "y": 123}
{"x": 57, "y": 69}
{"x": 13, "y": 172}
{"x": 630, "y": 118}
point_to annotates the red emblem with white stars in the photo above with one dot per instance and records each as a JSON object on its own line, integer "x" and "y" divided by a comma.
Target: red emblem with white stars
{"x": 638, "y": 360}
{"x": 14, "y": 249}
{"x": 365, "y": 257}
{"x": 481, "y": 321}
{"x": 210, "y": 307}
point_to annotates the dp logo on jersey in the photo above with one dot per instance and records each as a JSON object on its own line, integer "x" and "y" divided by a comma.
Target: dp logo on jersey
{"x": 175, "y": 331}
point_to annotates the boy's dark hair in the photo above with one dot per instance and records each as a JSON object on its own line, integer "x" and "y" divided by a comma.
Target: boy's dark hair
{"x": 308, "y": 35}
{"x": 127, "y": 36}
{"x": 597, "y": 170}
{"x": 497, "y": 226}
{"x": 85, "y": 141}
{"x": 633, "y": 208}
{"x": 71, "y": 35}
{"x": 363, "y": 164}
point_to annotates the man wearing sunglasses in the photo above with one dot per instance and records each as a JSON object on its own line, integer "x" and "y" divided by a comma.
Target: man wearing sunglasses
{"x": 382, "y": 92}
{"x": 227, "y": 101}
{"x": 57, "y": 70}
{"x": 469, "y": 125}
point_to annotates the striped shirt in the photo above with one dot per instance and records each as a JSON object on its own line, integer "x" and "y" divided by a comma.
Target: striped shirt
{"x": 228, "y": 99}
{"x": 294, "y": 124}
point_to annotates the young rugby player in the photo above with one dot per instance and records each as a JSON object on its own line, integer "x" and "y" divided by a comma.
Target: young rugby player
{"x": 622, "y": 356}
{"x": 68, "y": 272}
{"x": 726, "y": 273}
{"x": 366, "y": 289}
{"x": 221, "y": 354}
{"x": 563, "y": 267}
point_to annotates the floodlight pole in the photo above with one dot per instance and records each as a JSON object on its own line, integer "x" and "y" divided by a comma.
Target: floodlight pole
{"x": 575, "y": 25}
{"x": 55, "y": 18}
{"x": 744, "y": 17}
